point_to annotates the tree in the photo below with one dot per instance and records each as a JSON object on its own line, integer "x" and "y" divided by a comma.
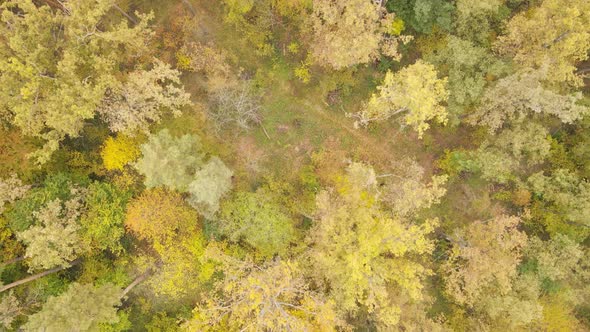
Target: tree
{"x": 477, "y": 20}
{"x": 468, "y": 68}
{"x": 259, "y": 221}
{"x": 511, "y": 153}
{"x": 79, "y": 308}
{"x": 141, "y": 100}
{"x": 169, "y": 161}
{"x": 555, "y": 259}
{"x": 54, "y": 241}
{"x": 425, "y": 16}
{"x": 272, "y": 297}
{"x": 561, "y": 44}
{"x": 339, "y": 24}
{"x": 235, "y": 106}
{"x": 11, "y": 189}
{"x": 119, "y": 151}
{"x": 414, "y": 90}
{"x": 101, "y": 226}
{"x": 405, "y": 192}
{"x": 515, "y": 97}
{"x": 366, "y": 256}
{"x": 211, "y": 183}
{"x": 10, "y": 309}
{"x": 158, "y": 215}
{"x": 178, "y": 163}
{"x": 484, "y": 258}
{"x": 51, "y": 83}
{"x": 563, "y": 203}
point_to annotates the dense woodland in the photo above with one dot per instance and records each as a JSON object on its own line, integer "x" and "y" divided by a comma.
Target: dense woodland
{"x": 294, "y": 165}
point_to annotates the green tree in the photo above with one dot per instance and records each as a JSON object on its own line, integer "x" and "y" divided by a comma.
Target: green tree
{"x": 170, "y": 161}
{"x": 520, "y": 95}
{"x": 79, "y": 308}
{"x": 52, "y": 82}
{"x": 562, "y": 203}
{"x": 424, "y": 15}
{"x": 211, "y": 183}
{"x": 415, "y": 90}
{"x": 259, "y": 221}
{"x": 102, "y": 225}
{"x": 468, "y": 68}
{"x": 54, "y": 240}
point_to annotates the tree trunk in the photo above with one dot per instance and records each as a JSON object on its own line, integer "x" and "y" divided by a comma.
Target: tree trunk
{"x": 190, "y": 7}
{"x": 12, "y": 261}
{"x": 134, "y": 21}
{"x": 37, "y": 276}
{"x": 136, "y": 282}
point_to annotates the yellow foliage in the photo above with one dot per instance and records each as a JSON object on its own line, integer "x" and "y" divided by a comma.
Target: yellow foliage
{"x": 118, "y": 152}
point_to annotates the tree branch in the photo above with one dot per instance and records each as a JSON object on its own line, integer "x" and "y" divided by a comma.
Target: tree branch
{"x": 37, "y": 276}
{"x": 14, "y": 260}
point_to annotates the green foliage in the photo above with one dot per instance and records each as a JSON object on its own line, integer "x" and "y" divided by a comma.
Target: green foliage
{"x": 211, "y": 183}
{"x": 56, "y": 186}
{"x": 424, "y": 15}
{"x": 566, "y": 203}
{"x": 259, "y": 221}
{"x": 102, "y": 224}
{"x": 170, "y": 161}
{"x": 469, "y": 69}
{"x": 79, "y": 308}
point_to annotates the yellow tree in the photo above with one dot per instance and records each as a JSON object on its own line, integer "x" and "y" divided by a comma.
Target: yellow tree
{"x": 485, "y": 257}
{"x": 557, "y": 32}
{"x": 170, "y": 227}
{"x": 415, "y": 91}
{"x": 50, "y": 83}
{"x": 271, "y": 297}
{"x": 367, "y": 257}
{"x": 119, "y": 151}
{"x": 339, "y": 24}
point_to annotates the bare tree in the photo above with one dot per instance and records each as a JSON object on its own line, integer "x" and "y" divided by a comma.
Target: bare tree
{"x": 235, "y": 106}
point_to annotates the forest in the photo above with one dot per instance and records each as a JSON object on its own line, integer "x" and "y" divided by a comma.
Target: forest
{"x": 294, "y": 165}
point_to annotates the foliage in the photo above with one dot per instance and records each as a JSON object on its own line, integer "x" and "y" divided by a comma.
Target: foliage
{"x": 270, "y": 297}
{"x": 484, "y": 258}
{"x": 51, "y": 83}
{"x": 367, "y": 256}
{"x": 561, "y": 44}
{"x": 11, "y": 189}
{"x": 141, "y": 100}
{"x": 179, "y": 157}
{"x": 515, "y": 97}
{"x": 54, "y": 240}
{"x": 468, "y": 68}
{"x": 101, "y": 226}
{"x": 259, "y": 221}
{"x": 414, "y": 90}
{"x": 567, "y": 200}
{"x": 339, "y": 24}
{"x": 119, "y": 151}
{"x": 158, "y": 215}
{"x": 80, "y": 307}
{"x": 211, "y": 183}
